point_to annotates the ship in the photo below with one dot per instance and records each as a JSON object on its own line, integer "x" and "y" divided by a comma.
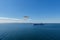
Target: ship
{"x": 27, "y": 17}
{"x": 38, "y": 24}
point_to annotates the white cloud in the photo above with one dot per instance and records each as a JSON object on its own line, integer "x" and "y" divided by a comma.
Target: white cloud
{"x": 10, "y": 20}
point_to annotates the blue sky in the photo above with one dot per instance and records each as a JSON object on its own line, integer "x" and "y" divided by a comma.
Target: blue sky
{"x": 39, "y": 10}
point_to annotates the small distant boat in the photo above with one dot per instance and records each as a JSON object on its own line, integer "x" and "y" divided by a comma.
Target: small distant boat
{"x": 39, "y": 24}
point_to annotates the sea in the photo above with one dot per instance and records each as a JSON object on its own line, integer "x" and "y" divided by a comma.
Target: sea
{"x": 29, "y": 31}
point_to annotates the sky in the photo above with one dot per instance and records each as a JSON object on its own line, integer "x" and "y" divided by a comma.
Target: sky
{"x": 47, "y": 11}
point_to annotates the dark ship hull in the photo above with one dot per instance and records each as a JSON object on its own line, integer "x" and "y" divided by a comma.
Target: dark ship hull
{"x": 38, "y": 24}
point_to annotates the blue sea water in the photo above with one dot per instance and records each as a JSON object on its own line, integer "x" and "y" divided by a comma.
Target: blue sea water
{"x": 28, "y": 31}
